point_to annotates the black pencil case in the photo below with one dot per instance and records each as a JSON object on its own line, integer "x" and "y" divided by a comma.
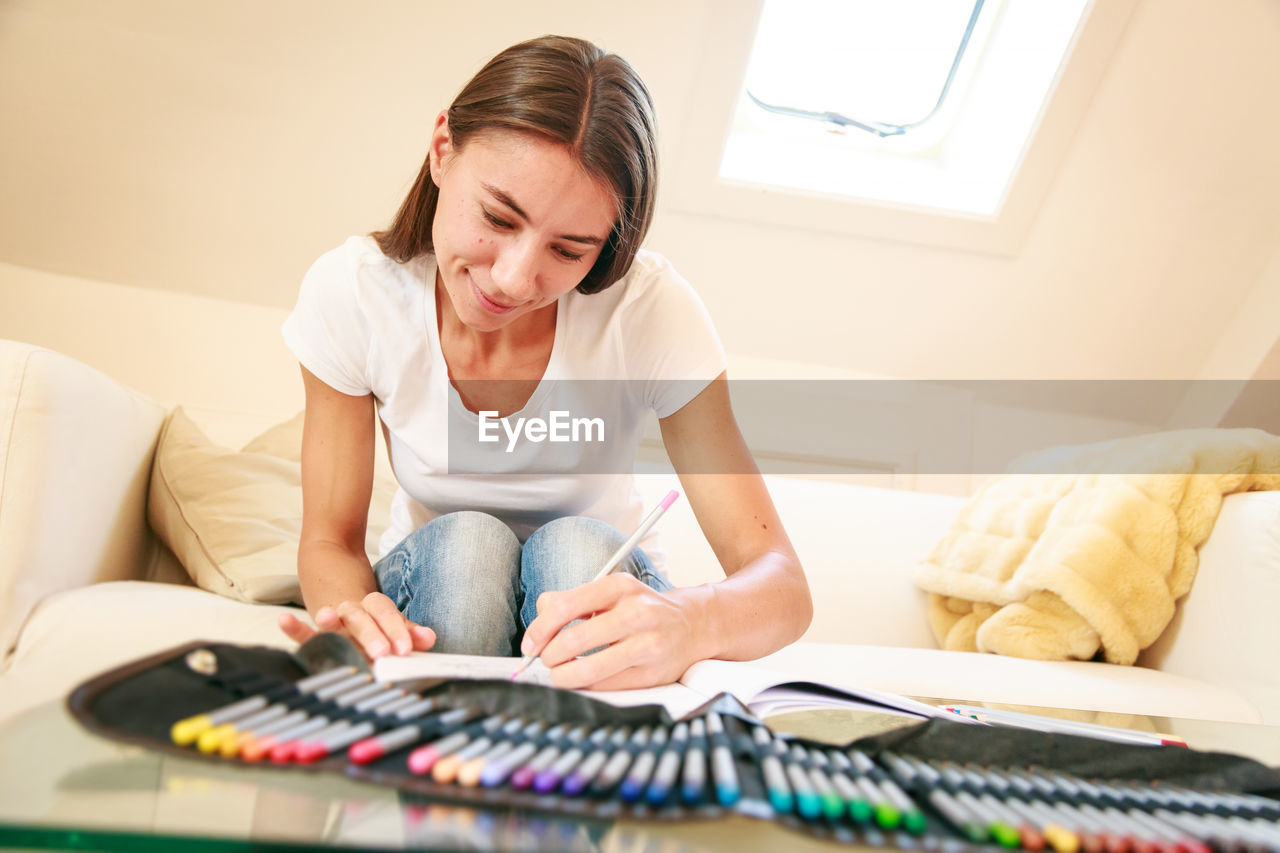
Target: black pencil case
{"x": 139, "y": 703}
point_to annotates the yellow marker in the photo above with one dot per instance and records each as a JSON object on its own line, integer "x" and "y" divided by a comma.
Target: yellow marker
{"x": 185, "y": 732}
{"x": 231, "y": 747}
{"x": 211, "y": 739}
{"x": 252, "y": 732}
{"x": 1062, "y": 840}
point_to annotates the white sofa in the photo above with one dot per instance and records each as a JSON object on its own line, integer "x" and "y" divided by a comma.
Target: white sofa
{"x": 84, "y": 583}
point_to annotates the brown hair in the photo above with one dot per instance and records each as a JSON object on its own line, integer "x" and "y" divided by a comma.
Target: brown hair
{"x": 568, "y": 91}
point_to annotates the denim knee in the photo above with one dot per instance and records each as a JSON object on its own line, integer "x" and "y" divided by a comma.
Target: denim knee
{"x": 569, "y": 552}
{"x": 458, "y": 574}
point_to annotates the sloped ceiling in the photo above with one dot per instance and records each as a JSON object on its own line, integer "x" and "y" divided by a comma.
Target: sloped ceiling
{"x": 217, "y": 148}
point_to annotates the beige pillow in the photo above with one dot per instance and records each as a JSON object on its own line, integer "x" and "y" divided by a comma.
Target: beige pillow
{"x": 233, "y": 518}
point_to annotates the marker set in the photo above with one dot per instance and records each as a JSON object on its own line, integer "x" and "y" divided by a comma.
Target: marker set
{"x": 457, "y": 736}
{"x": 526, "y": 746}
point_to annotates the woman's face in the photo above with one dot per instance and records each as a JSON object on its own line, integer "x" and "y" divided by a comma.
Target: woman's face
{"x": 518, "y": 224}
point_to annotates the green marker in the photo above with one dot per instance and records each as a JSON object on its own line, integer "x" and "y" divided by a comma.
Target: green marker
{"x": 859, "y": 809}
{"x": 887, "y": 815}
{"x": 913, "y": 820}
{"x": 832, "y": 803}
{"x": 808, "y": 803}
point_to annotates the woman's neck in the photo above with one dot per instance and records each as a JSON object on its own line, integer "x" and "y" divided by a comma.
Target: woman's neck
{"x": 520, "y": 350}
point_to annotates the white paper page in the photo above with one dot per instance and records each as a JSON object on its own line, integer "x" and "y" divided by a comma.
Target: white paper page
{"x": 781, "y": 700}
{"x": 676, "y": 698}
{"x": 417, "y": 666}
{"x": 420, "y": 666}
{"x": 748, "y": 682}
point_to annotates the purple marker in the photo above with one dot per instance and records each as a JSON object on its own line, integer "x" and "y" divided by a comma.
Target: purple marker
{"x": 548, "y": 780}
{"x": 556, "y": 740}
{"x": 580, "y": 778}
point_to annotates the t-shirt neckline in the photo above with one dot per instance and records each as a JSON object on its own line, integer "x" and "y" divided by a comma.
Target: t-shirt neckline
{"x": 550, "y": 374}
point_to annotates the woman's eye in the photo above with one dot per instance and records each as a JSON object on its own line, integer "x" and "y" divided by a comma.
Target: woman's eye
{"x": 569, "y": 256}
{"x": 495, "y": 221}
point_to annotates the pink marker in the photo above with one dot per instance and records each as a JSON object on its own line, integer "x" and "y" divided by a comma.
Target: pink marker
{"x": 618, "y": 556}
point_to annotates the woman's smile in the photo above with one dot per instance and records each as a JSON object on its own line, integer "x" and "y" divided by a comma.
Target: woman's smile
{"x": 488, "y": 304}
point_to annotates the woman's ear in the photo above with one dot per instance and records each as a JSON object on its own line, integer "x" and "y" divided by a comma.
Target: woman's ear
{"x": 441, "y": 146}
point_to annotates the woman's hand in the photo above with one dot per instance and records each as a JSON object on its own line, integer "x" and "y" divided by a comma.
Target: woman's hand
{"x": 373, "y": 623}
{"x": 649, "y": 637}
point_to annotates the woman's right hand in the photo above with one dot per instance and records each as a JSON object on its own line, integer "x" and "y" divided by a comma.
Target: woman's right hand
{"x": 373, "y": 623}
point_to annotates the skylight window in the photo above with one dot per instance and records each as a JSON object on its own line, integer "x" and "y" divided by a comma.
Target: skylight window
{"x": 885, "y": 68}
{"x": 922, "y": 103}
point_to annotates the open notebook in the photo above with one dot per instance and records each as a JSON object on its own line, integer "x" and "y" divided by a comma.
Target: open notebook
{"x": 764, "y": 691}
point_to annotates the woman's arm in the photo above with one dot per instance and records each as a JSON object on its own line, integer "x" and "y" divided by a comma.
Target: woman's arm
{"x": 762, "y": 604}
{"x": 334, "y": 573}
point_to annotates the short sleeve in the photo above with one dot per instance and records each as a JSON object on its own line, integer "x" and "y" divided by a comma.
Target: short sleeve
{"x": 327, "y": 331}
{"x": 669, "y": 341}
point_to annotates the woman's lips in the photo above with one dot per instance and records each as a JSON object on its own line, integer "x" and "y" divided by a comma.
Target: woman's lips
{"x": 488, "y": 304}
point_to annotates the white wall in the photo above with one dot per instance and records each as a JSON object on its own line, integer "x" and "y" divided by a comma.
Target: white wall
{"x": 217, "y": 148}
{"x": 225, "y": 362}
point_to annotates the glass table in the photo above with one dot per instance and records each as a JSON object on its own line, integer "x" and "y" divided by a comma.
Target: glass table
{"x": 63, "y": 787}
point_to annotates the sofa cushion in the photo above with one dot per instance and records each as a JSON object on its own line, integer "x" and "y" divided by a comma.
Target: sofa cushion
{"x": 82, "y": 632}
{"x": 233, "y": 518}
{"x": 75, "y": 455}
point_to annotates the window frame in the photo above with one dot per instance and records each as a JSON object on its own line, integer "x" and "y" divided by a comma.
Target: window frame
{"x": 693, "y": 185}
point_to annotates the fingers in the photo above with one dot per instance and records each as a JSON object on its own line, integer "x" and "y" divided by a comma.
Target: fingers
{"x": 644, "y": 639}
{"x": 603, "y": 629}
{"x": 390, "y": 622}
{"x": 557, "y": 609}
{"x": 585, "y": 672}
{"x": 327, "y": 619}
{"x": 294, "y": 628}
{"x": 633, "y": 662}
{"x": 376, "y": 625}
{"x": 423, "y": 637}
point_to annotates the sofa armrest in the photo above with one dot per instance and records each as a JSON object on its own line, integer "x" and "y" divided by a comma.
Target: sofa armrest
{"x": 75, "y": 461}
{"x": 1225, "y": 630}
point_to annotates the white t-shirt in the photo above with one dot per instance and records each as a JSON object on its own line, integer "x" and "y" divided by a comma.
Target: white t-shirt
{"x": 365, "y": 324}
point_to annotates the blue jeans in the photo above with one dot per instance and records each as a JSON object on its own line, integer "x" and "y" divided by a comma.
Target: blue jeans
{"x": 466, "y": 576}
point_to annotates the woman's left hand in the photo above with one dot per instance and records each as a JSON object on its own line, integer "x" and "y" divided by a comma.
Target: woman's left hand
{"x": 645, "y": 637}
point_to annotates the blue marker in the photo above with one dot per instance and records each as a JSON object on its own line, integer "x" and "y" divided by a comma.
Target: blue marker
{"x": 668, "y": 766}
{"x": 723, "y": 770}
{"x": 694, "y": 783}
{"x": 616, "y": 766}
{"x": 642, "y": 768}
{"x": 775, "y": 778}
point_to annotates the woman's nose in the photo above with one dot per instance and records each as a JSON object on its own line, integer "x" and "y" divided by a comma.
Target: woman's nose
{"x": 515, "y": 271}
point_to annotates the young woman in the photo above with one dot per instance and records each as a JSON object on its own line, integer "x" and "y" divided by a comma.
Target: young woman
{"x": 511, "y": 280}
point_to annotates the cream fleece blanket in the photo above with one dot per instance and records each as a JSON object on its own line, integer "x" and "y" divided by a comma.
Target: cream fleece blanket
{"x": 1085, "y": 548}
